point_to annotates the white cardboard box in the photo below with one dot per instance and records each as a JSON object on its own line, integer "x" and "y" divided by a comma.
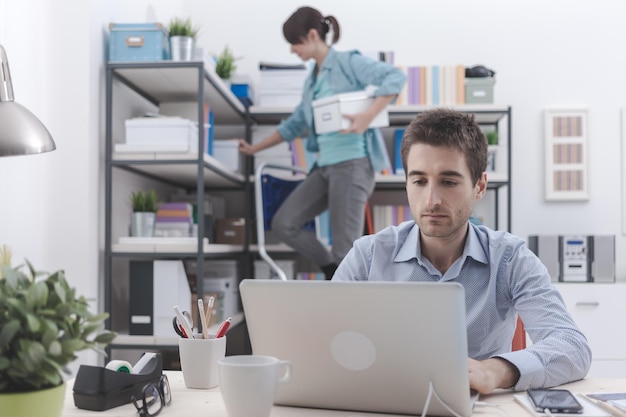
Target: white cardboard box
{"x": 161, "y": 131}
{"x": 328, "y": 111}
{"x": 227, "y": 152}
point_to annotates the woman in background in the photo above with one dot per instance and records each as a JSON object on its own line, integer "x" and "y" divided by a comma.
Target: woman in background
{"x": 342, "y": 179}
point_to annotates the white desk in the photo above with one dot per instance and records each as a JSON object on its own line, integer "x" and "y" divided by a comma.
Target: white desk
{"x": 205, "y": 403}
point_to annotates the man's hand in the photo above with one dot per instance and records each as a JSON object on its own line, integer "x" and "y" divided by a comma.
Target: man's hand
{"x": 493, "y": 373}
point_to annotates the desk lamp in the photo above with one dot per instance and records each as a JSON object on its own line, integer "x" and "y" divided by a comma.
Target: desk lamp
{"x": 21, "y": 133}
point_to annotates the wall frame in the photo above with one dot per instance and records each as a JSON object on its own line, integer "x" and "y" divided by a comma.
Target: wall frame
{"x": 623, "y": 130}
{"x": 566, "y": 160}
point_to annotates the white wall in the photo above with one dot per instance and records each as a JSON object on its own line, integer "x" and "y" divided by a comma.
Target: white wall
{"x": 546, "y": 54}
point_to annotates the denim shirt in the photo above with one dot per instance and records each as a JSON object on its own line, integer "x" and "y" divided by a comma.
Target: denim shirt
{"x": 502, "y": 278}
{"x": 345, "y": 72}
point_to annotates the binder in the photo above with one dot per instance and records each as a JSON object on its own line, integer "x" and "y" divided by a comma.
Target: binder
{"x": 140, "y": 298}
{"x": 155, "y": 287}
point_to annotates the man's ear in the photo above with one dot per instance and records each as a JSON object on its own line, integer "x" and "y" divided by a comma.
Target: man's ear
{"x": 481, "y": 186}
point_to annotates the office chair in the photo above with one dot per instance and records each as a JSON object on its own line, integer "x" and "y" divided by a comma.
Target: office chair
{"x": 270, "y": 192}
{"x": 519, "y": 337}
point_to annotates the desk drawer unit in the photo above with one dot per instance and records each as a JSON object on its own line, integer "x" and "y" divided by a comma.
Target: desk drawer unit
{"x": 600, "y": 310}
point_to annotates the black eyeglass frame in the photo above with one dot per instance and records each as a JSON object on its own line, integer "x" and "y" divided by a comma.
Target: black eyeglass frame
{"x": 164, "y": 398}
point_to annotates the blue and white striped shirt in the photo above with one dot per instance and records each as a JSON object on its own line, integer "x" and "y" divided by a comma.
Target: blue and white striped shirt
{"x": 502, "y": 278}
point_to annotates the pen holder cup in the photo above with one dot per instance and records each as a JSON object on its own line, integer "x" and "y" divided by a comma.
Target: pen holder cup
{"x": 97, "y": 388}
{"x": 198, "y": 361}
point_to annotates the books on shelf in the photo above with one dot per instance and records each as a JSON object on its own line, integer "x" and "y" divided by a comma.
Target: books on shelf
{"x": 433, "y": 85}
{"x": 387, "y": 215}
{"x": 174, "y": 220}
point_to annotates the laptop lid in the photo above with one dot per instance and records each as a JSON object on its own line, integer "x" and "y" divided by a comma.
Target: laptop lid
{"x": 364, "y": 346}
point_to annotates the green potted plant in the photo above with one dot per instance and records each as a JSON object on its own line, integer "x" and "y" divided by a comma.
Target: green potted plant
{"x": 225, "y": 65}
{"x": 492, "y": 137}
{"x": 182, "y": 34}
{"x": 43, "y": 323}
{"x": 144, "y": 205}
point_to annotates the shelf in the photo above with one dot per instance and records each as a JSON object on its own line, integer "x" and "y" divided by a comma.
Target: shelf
{"x": 485, "y": 113}
{"x": 189, "y": 249}
{"x": 126, "y": 340}
{"x": 494, "y": 180}
{"x": 180, "y": 168}
{"x": 177, "y": 81}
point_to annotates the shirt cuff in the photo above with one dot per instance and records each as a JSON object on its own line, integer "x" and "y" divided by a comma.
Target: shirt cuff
{"x": 531, "y": 370}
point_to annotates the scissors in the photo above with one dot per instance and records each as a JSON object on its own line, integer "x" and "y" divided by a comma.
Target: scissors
{"x": 179, "y": 328}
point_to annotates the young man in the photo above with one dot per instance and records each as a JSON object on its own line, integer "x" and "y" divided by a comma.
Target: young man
{"x": 444, "y": 154}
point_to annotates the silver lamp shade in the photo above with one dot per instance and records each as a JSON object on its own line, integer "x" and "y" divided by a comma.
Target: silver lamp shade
{"x": 21, "y": 133}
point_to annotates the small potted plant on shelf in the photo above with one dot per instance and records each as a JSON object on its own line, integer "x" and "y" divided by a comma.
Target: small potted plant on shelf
{"x": 43, "y": 323}
{"x": 144, "y": 205}
{"x": 225, "y": 65}
{"x": 182, "y": 34}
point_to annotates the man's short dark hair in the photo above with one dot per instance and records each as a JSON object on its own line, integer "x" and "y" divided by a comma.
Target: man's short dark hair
{"x": 452, "y": 129}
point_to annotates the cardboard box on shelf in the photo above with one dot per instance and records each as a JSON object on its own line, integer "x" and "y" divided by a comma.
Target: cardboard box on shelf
{"x": 146, "y": 131}
{"x": 138, "y": 42}
{"x": 227, "y": 152}
{"x": 230, "y": 230}
{"x": 479, "y": 90}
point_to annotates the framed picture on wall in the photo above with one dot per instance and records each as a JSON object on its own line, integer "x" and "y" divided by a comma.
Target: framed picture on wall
{"x": 623, "y": 128}
{"x": 566, "y": 161}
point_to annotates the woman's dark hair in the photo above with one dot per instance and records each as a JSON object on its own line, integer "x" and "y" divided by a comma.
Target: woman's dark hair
{"x": 303, "y": 20}
{"x": 448, "y": 128}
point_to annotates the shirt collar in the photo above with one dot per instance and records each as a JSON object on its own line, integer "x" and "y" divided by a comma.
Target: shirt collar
{"x": 411, "y": 248}
{"x": 331, "y": 59}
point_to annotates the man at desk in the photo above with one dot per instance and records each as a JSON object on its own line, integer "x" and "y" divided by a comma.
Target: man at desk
{"x": 444, "y": 155}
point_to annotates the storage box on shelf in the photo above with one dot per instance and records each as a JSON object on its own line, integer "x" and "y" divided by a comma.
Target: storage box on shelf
{"x": 159, "y": 134}
{"x": 138, "y": 42}
{"x": 479, "y": 90}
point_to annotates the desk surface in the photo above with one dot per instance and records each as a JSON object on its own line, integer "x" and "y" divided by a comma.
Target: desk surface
{"x": 203, "y": 403}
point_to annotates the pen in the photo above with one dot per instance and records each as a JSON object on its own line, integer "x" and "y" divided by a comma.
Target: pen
{"x": 209, "y": 310}
{"x": 221, "y": 331}
{"x": 183, "y": 322}
{"x": 205, "y": 328}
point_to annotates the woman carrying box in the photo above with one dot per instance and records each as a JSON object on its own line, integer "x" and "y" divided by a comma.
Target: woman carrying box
{"x": 342, "y": 179}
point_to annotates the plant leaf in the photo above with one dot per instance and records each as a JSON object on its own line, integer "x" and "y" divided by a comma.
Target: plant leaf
{"x": 8, "y": 332}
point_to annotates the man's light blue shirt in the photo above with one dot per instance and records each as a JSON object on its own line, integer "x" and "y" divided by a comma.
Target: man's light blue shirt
{"x": 502, "y": 278}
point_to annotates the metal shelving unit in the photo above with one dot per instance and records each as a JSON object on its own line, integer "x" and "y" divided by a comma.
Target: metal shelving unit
{"x": 158, "y": 83}
{"x": 496, "y": 116}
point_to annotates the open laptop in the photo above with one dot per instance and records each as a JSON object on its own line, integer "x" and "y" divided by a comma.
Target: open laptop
{"x": 364, "y": 346}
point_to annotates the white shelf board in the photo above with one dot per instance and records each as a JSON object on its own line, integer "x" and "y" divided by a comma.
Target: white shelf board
{"x": 166, "y": 340}
{"x": 216, "y": 174}
{"x": 485, "y": 113}
{"x": 493, "y": 177}
{"x": 209, "y": 248}
{"x": 177, "y": 81}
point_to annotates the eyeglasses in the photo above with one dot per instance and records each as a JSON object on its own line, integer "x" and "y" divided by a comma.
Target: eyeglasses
{"x": 154, "y": 397}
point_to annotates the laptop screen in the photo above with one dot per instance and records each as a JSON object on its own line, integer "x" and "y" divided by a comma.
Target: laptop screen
{"x": 364, "y": 346}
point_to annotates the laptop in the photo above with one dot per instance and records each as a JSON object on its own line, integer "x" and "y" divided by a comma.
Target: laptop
{"x": 387, "y": 347}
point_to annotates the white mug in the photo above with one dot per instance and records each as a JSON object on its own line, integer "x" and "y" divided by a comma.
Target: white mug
{"x": 198, "y": 361}
{"x": 249, "y": 382}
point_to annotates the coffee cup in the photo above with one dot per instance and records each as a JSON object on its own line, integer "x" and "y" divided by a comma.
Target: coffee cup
{"x": 249, "y": 382}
